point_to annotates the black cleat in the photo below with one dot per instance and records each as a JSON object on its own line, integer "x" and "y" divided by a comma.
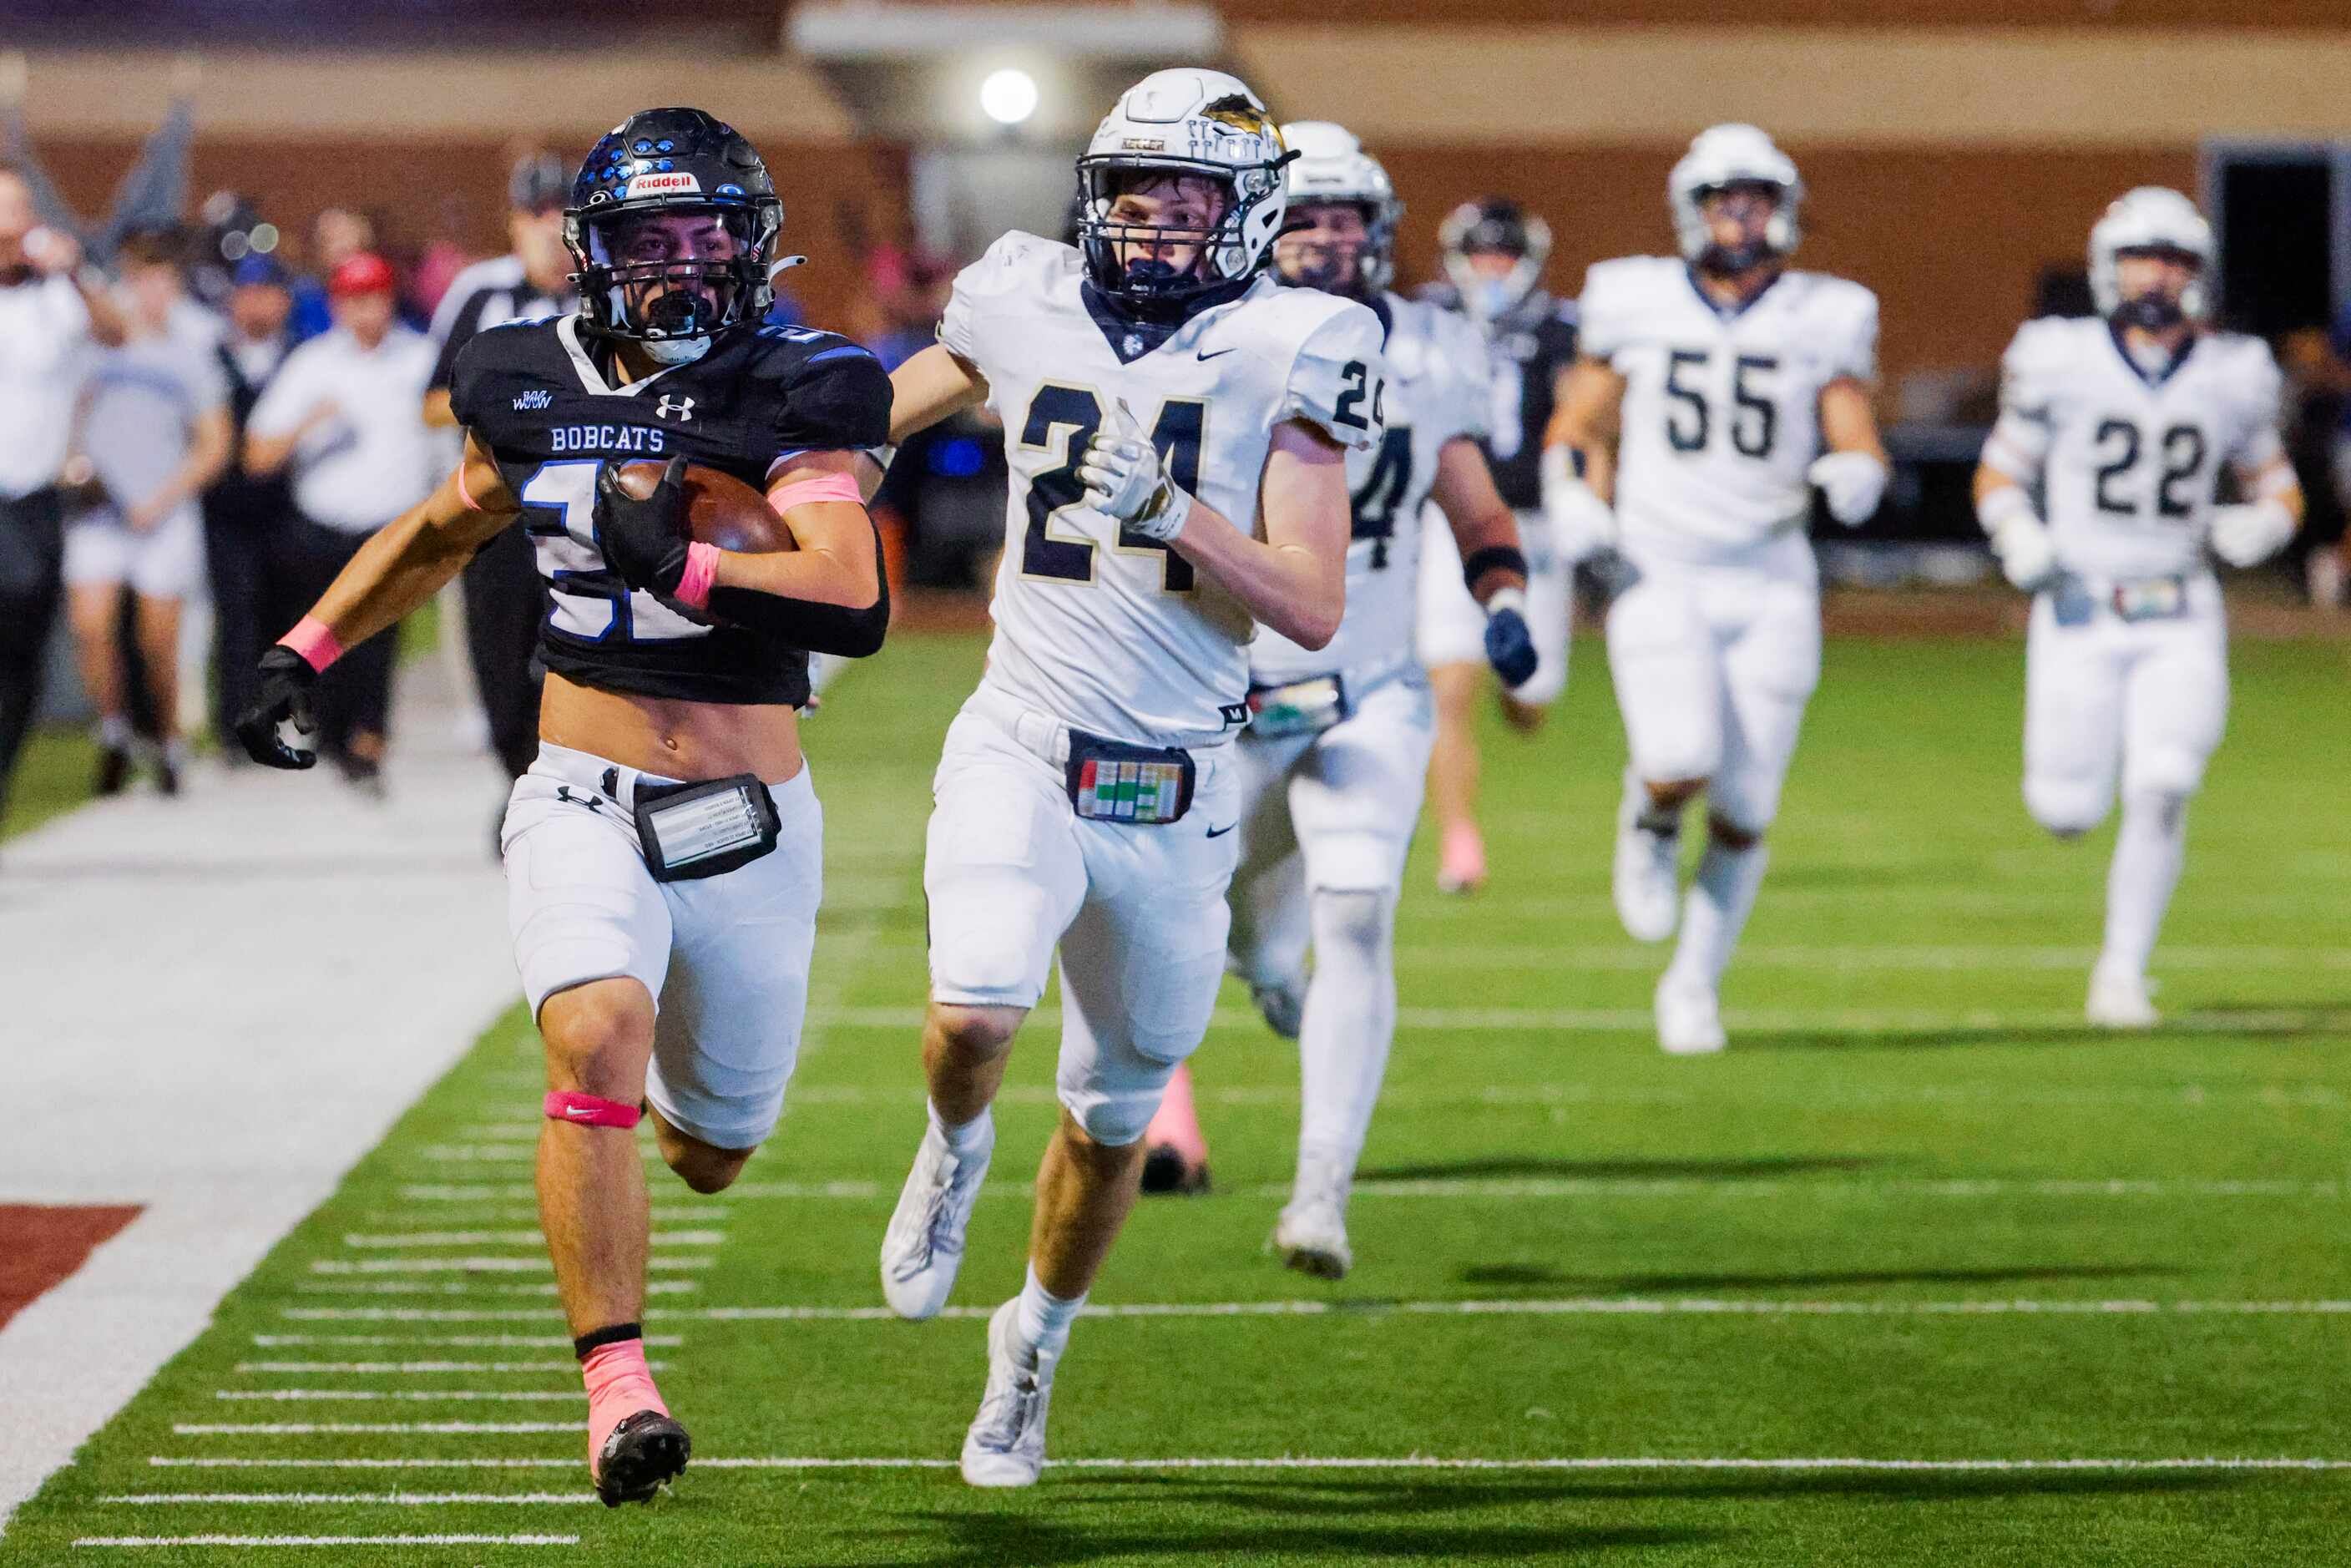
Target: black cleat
{"x": 644, "y": 1453}
{"x": 113, "y": 770}
{"x": 1167, "y": 1171}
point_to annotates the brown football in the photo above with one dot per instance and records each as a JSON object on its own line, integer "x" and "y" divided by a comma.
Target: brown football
{"x": 721, "y": 509}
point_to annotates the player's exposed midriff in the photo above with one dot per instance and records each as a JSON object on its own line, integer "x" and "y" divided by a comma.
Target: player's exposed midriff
{"x": 672, "y": 737}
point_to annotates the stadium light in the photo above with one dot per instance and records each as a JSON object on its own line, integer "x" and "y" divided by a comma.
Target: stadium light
{"x": 1008, "y": 97}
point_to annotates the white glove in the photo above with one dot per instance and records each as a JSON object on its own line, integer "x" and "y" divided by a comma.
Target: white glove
{"x": 1582, "y": 526}
{"x": 2247, "y": 535}
{"x": 1854, "y": 482}
{"x": 1125, "y": 478}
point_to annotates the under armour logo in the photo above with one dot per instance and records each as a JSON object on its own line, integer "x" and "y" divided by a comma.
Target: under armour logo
{"x": 563, "y": 793}
{"x": 680, "y": 408}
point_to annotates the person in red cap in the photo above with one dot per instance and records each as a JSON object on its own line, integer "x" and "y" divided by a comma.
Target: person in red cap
{"x": 345, "y": 417}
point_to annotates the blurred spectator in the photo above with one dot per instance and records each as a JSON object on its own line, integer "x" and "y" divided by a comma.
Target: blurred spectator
{"x": 503, "y": 598}
{"x": 153, "y": 424}
{"x": 151, "y": 195}
{"x": 245, "y": 516}
{"x": 51, "y": 309}
{"x": 336, "y": 234}
{"x": 346, "y": 412}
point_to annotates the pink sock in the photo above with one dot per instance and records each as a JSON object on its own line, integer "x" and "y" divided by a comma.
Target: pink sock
{"x": 1463, "y": 854}
{"x": 1177, "y": 1124}
{"x": 619, "y": 1386}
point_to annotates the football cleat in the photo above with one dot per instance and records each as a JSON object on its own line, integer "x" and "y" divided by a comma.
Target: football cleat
{"x": 1283, "y": 1003}
{"x": 1005, "y": 1443}
{"x": 113, "y": 770}
{"x": 1647, "y": 877}
{"x": 1312, "y": 1234}
{"x": 1461, "y": 859}
{"x": 642, "y": 1455}
{"x": 923, "y": 1248}
{"x": 1167, "y": 1173}
{"x": 1689, "y": 1019}
{"x": 2120, "y": 1001}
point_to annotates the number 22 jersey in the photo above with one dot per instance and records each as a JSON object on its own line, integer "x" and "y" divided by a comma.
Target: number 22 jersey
{"x": 1100, "y": 627}
{"x": 1721, "y": 410}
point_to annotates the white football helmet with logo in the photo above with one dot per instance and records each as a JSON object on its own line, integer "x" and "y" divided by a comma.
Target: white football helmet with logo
{"x": 2152, "y": 217}
{"x": 1194, "y": 121}
{"x": 1734, "y": 154}
{"x": 1330, "y": 165}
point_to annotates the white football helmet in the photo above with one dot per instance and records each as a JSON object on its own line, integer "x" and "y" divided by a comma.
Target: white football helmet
{"x": 2152, "y": 217}
{"x": 1194, "y": 121}
{"x": 1330, "y": 165}
{"x": 1730, "y": 155}
{"x": 1495, "y": 225}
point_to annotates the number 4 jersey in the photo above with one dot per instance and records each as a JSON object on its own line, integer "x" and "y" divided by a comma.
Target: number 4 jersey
{"x": 2128, "y": 455}
{"x": 1103, "y": 628}
{"x": 1721, "y": 410}
{"x": 534, "y": 397}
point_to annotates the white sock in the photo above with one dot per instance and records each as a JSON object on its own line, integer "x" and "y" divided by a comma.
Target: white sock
{"x": 1716, "y": 910}
{"x": 975, "y": 1133}
{"x": 1042, "y": 1317}
{"x": 1351, "y": 1012}
{"x": 114, "y": 732}
{"x": 2149, "y": 849}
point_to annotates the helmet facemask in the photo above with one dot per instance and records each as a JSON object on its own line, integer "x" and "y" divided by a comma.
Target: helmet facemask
{"x": 1159, "y": 267}
{"x": 672, "y": 277}
{"x": 1346, "y": 257}
{"x": 1759, "y": 208}
{"x": 2161, "y": 303}
{"x": 1494, "y": 255}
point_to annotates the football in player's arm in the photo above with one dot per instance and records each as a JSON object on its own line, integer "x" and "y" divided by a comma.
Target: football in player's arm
{"x": 2121, "y": 423}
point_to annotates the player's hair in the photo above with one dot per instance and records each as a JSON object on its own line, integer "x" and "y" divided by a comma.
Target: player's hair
{"x": 166, "y": 245}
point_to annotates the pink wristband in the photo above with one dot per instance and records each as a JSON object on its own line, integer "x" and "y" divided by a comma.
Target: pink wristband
{"x": 314, "y": 640}
{"x": 824, "y": 487}
{"x": 464, "y": 489}
{"x": 701, "y": 573}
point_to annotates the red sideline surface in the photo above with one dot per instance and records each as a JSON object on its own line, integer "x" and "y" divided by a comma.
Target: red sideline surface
{"x": 40, "y": 1246}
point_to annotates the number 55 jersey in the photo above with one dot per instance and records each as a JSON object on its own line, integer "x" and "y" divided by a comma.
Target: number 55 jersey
{"x": 1103, "y": 629}
{"x": 1721, "y": 410}
{"x": 2128, "y": 455}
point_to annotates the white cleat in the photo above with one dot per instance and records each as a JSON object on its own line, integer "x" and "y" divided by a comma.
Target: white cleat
{"x": 1647, "y": 879}
{"x": 1689, "y": 1019}
{"x": 2120, "y": 1001}
{"x": 1005, "y": 1443}
{"x": 1283, "y": 1003}
{"x": 1312, "y": 1233}
{"x": 923, "y": 1246}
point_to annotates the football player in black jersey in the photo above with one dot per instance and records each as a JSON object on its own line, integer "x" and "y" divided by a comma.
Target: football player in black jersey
{"x": 662, "y": 852}
{"x": 1494, "y": 253}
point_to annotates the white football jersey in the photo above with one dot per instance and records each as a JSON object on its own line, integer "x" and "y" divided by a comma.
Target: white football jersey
{"x": 2128, "y": 458}
{"x": 1437, "y": 389}
{"x": 1103, "y": 629}
{"x": 1721, "y": 410}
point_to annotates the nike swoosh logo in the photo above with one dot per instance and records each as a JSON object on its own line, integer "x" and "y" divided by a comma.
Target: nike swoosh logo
{"x": 1205, "y": 355}
{"x": 577, "y": 1111}
{"x": 1228, "y": 826}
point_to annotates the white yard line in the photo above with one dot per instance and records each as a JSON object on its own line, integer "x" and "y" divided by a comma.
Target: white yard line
{"x": 376, "y": 1499}
{"x": 1638, "y": 1021}
{"x": 230, "y": 1106}
{"x": 416, "y": 1368}
{"x": 312, "y": 1428}
{"x": 1510, "y": 1187}
{"x": 407, "y": 1395}
{"x": 170, "y": 1541}
{"x": 515, "y": 1239}
{"x": 480, "y": 1265}
{"x": 1791, "y": 1463}
{"x": 464, "y": 1287}
{"x": 465, "y": 1341}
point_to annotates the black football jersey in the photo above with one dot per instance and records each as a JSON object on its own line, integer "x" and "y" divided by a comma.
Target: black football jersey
{"x": 534, "y": 396}
{"x": 1531, "y": 348}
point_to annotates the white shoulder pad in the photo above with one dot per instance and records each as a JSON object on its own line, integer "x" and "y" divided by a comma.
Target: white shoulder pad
{"x": 1336, "y": 376}
{"x": 2255, "y": 377}
{"x": 1841, "y": 315}
{"x": 2034, "y": 365}
{"x": 1017, "y": 264}
{"x": 1445, "y": 355}
{"x": 1616, "y": 294}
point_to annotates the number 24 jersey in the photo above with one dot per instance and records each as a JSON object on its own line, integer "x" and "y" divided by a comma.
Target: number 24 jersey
{"x": 2128, "y": 457}
{"x": 1103, "y": 628}
{"x": 1721, "y": 410}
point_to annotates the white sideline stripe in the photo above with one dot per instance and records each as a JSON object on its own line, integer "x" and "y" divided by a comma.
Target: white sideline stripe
{"x": 533, "y": 1237}
{"x": 1593, "y": 1306}
{"x": 326, "y": 1540}
{"x": 1639, "y": 1020}
{"x": 304, "y": 1428}
{"x": 1679, "y": 1186}
{"x": 474, "y": 1265}
{"x": 1536, "y": 959}
{"x": 456, "y": 1287}
{"x": 412, "y": 1396}
{"x": 466, "y": 1340}
{"x": 1303, "y": 1462}
{"x": 416, "y": 1368}
{"x": 313, "y": 1498}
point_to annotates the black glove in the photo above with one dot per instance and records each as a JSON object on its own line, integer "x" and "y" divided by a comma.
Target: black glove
{"x": 643, "y": 541}
{"x": 1509, "y": 646}
{"x": 288, "y": 687}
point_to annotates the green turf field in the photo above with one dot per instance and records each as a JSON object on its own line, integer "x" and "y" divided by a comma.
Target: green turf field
{"x": 53, "y": 777}
{"x": 1916, "y": 1214}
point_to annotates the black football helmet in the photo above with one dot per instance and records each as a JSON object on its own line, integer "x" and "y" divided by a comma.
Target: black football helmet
{"x": 672, "y": 161}
{"x": 1494, "y": 227}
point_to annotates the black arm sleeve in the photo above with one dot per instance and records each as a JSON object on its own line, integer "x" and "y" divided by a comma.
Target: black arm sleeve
{"x": 804, "y": 623}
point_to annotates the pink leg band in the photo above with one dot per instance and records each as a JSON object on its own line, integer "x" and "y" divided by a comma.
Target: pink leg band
{"x": 315, "y": 641}
{"x": 824, "y": 487}
{"x": 701, "y": 572}
{"x": 571, "y": 1105}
